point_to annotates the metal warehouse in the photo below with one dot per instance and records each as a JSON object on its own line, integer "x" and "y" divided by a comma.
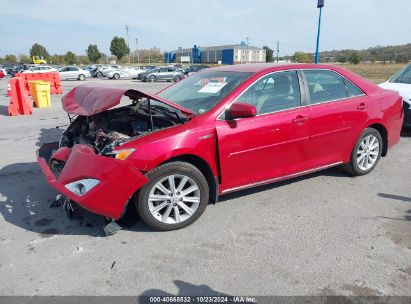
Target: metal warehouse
{"x": 224, "y": 54}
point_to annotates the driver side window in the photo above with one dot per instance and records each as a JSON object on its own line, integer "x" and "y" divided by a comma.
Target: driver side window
{"x": 274, "y": 92}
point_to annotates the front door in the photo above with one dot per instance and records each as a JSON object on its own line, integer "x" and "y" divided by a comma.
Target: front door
{"x": 272, "y": 144}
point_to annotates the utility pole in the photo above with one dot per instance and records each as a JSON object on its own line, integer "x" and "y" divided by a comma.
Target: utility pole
{"x": 320, "y": 5}
{"x": 278, "y": 50}
{"x": 128, "y": 43}
{"x": 138, "y": 55}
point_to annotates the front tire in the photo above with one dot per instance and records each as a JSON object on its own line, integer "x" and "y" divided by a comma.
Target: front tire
{"x": 175, "y": 197}
{"x": 177, "y": 78}
{"x": 116, "y": 76}
{"x": 366, "y": 153}
{"x": 81, "y": 77}
{"x": 152, "y": 78}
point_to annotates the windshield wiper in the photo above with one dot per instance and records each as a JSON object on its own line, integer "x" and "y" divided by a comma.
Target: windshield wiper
{"x": 177, "y": 113}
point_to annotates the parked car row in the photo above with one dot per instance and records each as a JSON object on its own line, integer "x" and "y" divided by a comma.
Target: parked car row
{"x": 146, "y": 73}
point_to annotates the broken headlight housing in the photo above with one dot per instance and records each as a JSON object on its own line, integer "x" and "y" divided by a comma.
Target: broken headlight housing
{"x": 82, "y": 186}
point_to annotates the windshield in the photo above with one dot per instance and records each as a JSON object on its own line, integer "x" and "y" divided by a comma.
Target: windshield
{"x": 202, "y": 91}
{"x": 403, "y": 76}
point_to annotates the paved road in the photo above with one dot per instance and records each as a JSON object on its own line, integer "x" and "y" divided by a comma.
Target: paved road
{"x": 325, "y": 233}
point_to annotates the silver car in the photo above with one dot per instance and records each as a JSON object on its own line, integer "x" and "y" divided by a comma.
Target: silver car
{"x": 168, "y": 73}
{"x": 127, "y": 72}
{"x": 73, "y": 72}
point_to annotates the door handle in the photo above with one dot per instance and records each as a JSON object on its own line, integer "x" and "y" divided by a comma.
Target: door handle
{"x": 300, "y": 119}
{"x": 362, "y": 107}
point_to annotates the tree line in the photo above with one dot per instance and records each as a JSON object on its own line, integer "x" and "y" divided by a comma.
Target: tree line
{"x": 383, "y": 54}
{"x": 119, "y": 50}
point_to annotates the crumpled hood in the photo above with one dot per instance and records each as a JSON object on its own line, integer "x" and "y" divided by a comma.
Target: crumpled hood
{"x": 90, "y": 99}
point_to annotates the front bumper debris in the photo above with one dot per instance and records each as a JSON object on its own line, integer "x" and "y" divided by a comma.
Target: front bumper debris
{"x": 119, "y": 179}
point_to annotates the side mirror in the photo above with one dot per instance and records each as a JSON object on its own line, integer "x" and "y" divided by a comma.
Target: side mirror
{"x": 241, "y": 110}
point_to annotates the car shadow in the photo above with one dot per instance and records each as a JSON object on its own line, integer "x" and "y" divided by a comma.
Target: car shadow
{"x": 184, "y": 289}
{"x": 335, "y": 172}
{"x": 4, "y": 110}
{"x": 406, "y": 132}
{"x": 401, "y": 198}
{"x": 25, "y": 198}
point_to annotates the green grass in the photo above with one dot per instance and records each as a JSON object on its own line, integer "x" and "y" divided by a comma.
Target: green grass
{"x": 376, "y": 72}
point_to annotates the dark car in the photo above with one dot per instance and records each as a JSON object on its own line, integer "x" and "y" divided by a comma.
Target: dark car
{"x": 218, "y": 131}
{"x": 17, "y": 69}
{"x": 168, "y": 73}
{"x": 195, "y": 68}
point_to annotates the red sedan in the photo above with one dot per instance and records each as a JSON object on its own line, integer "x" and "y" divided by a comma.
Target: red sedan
{"x": 218, "y": 131}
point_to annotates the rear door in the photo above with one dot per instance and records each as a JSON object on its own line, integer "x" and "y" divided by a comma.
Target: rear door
{"x": 272, "y": 144}
{"x": 338, "y": 113}
{"x": 163, "y": 74}
{"x": 73, "y": 72}
{"x": 64, "y": 73}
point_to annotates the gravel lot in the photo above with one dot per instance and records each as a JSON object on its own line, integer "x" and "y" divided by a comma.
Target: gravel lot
{"x": 322, "y": 234}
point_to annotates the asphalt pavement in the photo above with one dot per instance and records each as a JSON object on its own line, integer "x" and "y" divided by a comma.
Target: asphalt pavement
{"x": 321, "y": 234}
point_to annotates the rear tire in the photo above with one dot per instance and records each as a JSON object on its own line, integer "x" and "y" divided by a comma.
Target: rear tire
{"x": 366, "y": 153}
{"x": 116, "y": 76}
{"x": 152, "y": 78}
{"x": 175, "y": 197}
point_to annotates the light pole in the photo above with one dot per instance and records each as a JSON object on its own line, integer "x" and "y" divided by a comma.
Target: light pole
{"x": 138, "y": 55}
{"x": 278, "y": 49}
{"x": 320, "y": 5}
{"x": 128, "y": 43}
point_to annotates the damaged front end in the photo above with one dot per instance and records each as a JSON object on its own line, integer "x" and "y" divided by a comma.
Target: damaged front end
{"x": 100, "y": 184}
{"x": 87, "y": 166}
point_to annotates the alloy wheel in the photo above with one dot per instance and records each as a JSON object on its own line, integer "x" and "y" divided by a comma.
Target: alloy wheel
{"x": 367, "y": 153}
{"x": 174, "y": 199}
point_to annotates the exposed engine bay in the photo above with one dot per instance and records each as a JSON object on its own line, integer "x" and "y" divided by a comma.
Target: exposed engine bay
{"x": 106, "y": 130}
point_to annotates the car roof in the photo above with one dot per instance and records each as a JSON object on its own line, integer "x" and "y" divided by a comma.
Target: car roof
{"x": 262, "y": 68}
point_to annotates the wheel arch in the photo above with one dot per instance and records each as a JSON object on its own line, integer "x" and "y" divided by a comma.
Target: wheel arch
{"x": 384, "y": 135}
{"x": 204, "y": 168}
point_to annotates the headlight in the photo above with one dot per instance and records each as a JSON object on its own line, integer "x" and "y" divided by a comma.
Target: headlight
{"x": 82, "y": 186}
{"x": 122, "y": 154}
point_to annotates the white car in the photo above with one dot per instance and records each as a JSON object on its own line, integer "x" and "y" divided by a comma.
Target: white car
{"x": 73, "y": 72}
{"x": 127, "y": 72}
{"x": 107, "y": 68}
{"x": 40, "y": 69}
{"x": 401, "y": 82}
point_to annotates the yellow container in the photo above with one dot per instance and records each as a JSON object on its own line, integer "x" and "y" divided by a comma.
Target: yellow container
{"x": 40, "y": 91}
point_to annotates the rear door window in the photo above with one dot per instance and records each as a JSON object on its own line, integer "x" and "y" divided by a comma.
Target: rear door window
{"x": 325, "y": 85}
{"x": 352, "y": 89}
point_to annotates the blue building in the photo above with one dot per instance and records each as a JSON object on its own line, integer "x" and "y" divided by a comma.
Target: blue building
{"x": 224, "y": 54}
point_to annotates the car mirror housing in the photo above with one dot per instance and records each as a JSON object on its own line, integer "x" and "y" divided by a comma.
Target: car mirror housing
{"x": 241, "y": 110}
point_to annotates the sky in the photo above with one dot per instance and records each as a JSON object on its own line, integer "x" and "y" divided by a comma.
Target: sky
{"x": 72, "y": 24}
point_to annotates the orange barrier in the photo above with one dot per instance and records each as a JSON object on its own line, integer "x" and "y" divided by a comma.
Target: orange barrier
{"x": 52, "y": 77}
{"x": 20, "y": 104}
